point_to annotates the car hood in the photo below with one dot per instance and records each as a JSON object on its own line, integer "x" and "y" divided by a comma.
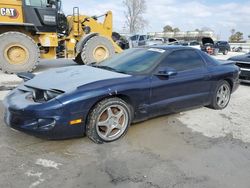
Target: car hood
{"x": 70, "y": 78}
{"x": 149, "y": 43}
{"x": 242, "y": 58}
{"x": 207, "y": 40}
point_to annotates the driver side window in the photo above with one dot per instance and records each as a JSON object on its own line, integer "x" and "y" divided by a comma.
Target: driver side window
{"x": 183, "y": 60}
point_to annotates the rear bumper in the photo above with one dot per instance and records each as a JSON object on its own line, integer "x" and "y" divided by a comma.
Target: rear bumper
{"x": 49, "y": 121}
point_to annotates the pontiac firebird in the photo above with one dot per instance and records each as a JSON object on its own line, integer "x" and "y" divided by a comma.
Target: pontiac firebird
{"x": 102, "y": 100}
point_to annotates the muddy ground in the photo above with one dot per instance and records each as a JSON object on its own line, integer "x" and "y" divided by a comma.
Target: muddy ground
{"x": 197, "y": 148}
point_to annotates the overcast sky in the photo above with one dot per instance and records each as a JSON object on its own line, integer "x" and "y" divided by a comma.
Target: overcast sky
{"x": 219, "y": 15}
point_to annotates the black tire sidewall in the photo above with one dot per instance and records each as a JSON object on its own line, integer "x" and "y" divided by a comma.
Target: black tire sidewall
{"x": 91, "y": 128}
{"x": 18, "y": 38}
{"x": 78, "y": 60}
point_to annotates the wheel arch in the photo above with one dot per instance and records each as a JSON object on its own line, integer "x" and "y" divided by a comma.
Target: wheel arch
{"x": 230, "y": 82}
{"x": 18, "y": 27}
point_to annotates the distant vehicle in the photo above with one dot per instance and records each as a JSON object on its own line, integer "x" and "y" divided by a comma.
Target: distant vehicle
{"x": 155, "y": 41}
{"x": 237, "y": 49}
{"x": 102, "y": 100}
{"x": 243, "y": 61}
{"x": 223, "y": 47}
{"x": 193, "y": 44}
{"x": 137, "y": 40}
{"x": 208, "y": 46}
{"x": 171, "y": 41}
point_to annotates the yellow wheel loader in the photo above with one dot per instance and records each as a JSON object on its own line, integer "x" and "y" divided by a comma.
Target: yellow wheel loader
{"x": 34, "y": 29}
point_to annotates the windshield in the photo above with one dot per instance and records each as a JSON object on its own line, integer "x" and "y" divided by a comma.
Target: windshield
{"x": 36, "y": 3}
{"x": 41, "y": 3}
{"x": 133, "y": 61}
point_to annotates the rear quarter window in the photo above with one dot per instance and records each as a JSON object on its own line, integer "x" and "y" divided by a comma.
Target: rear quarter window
{"x": 209, "y": 60}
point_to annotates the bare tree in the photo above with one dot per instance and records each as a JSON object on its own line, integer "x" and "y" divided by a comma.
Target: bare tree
{"x": 134, "y": 15}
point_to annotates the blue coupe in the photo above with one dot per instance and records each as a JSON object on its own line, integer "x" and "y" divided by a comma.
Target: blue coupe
{"x": 102, "y": 100}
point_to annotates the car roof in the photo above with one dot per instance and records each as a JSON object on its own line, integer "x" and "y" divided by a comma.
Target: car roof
{"x": 170, "y": 47}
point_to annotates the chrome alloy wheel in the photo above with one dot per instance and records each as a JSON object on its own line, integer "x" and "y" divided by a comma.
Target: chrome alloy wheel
{"x": 223, "y": 95}
{"x": 112, "y": 122}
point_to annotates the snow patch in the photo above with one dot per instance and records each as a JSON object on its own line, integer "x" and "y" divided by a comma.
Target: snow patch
{"x": 34, "y": 174}
{"x": 36, "y": 183}
{"x": 47, "y": 163}
{"x": 38, "y": 175}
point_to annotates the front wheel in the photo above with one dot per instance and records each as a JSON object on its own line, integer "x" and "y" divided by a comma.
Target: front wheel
{"x": 109, "y": 120}
{"x": 221, "y": 96}
{"x": 19, "y": 52}
{"x": 97, "y": 49}
{"x": 225, "y": 52}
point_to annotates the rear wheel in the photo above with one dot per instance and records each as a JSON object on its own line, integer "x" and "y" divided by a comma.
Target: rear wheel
{"x": 19, "y": 53}
{"x": 225, "y": 52}
{"x": 221, "y": 96}
{"x": 97, "y": 49}
{"x": 109, "y": 120}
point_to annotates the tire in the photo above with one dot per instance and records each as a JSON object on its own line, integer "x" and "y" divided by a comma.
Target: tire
{"x": 225, "y": 52}
{"x": 116, "y": 118}
{"x": 217, "y": 95}
{"x": 19, "y": 53}
{"x": 95, "y": 45}
{"x": 78, "y": 60}
{"x": 216, "y": 51}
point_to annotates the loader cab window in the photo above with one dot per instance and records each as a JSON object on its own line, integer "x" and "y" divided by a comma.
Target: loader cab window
{"x": 39, "y": 3}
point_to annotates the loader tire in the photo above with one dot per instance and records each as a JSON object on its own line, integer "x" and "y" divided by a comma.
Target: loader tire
{"x": 19, "y": 53}
{"x": 97, "y": 49}
{"x": 78, "y": 60}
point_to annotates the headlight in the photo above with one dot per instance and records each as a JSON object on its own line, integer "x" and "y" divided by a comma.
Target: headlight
{"x": 45, "y": 95}
{"x": 51, "y": 94}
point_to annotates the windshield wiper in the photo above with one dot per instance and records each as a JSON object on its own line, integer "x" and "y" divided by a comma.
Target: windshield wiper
{"x": 107, "y": 68}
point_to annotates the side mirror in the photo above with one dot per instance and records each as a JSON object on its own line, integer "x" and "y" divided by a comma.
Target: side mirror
{"x": 167, "y": 72}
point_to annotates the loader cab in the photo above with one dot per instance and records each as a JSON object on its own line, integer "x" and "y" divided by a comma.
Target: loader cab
{"x": 42, "y": 13}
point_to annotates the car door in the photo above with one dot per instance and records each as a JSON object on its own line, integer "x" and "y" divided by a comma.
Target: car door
{"x": 189, "y": 87}
{"x": 142, "y": 40}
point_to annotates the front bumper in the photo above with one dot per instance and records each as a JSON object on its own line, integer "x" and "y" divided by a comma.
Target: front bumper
{"x": 47, "y": 120}
{"x": 245, "y": 71}
{"x": 245, "y": 75}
